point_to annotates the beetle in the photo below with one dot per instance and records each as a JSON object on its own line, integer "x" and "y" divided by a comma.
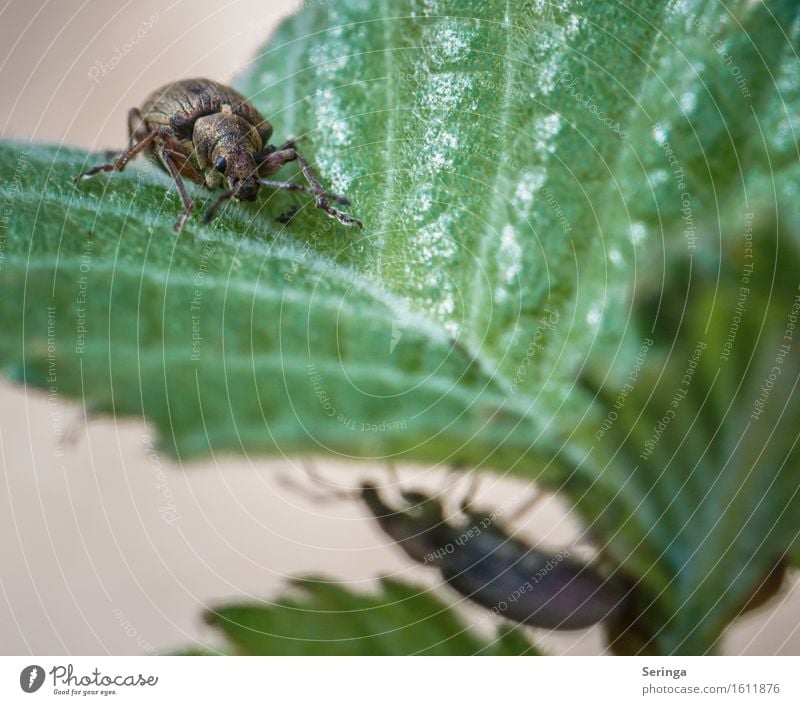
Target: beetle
{"x": 210, "y": 134}
{"x": 485, "y": 564}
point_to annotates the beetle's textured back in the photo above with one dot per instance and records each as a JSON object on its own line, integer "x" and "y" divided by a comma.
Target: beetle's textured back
{"x": 177, "y": 106}
{"x": 530, "y": 586}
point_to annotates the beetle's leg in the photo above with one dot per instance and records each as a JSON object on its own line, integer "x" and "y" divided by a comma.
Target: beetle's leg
{"x": 525, "y": 507}
{"x": 394, "y": 476}
{"x": 137, "y": 128}
{"x": 275, "y": 160}
{"x": 212, "y": 211}
{"x": 292, "y": 142}
{"x": 322, "y": 202}
{"x": 583, "y": 541}
{"x": 290, "y": 186}
{"x": 166, "y": 160}
{"x": 472, "y": 492}
{"x": 122, "y": 159}
{"x": 330, "y": 495}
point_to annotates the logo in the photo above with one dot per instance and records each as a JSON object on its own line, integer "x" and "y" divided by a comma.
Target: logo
{"x": 399, "y": 326}
{"x": 31, "y": 678}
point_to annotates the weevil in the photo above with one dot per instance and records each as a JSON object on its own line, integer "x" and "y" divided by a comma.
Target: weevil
{"x": 482, "y": 562}
{"x": 210, "y": 134}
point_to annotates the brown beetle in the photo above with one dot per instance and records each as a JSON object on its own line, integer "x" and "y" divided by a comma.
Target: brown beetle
{"x": 211, "y": 134}
{"x": 487, "y": 565}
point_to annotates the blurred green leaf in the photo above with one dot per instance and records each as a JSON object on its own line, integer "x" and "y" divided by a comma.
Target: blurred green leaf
{"x": 326, "y": 619}
{"x": 695, "y": 453}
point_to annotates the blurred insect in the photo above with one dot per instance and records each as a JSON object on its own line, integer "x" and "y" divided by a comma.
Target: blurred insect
{"x": 210, "y": 134}
{"x": 482, "y": 562}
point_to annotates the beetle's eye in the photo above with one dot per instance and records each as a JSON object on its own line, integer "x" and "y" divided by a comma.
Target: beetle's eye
{"x": 220, "y": 164}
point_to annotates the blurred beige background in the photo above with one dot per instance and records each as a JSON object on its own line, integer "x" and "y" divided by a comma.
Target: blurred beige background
{"x": 107, "y": 547}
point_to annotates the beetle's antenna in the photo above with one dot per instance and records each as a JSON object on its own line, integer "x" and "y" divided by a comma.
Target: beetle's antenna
{"x": 330, "y": 494}
{"x": 394, "y": 476}
{"x": 215, "y": 206}
{"x": 291, "y": 186}
{"x": 274, "y": 159}
{"x": 472, "y": 492}
{"x": 452, "y": 476}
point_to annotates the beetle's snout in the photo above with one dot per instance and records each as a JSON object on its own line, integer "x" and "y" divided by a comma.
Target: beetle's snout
{"x": 245, "y": 189}
{"x": 242, "y": 175}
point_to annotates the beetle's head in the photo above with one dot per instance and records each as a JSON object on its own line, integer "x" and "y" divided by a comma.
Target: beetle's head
{"x": 414, "y": 528}
{"x": 226, "y": 146}
{"x": 238, "y": 169}
{"x": 424, "y": 508}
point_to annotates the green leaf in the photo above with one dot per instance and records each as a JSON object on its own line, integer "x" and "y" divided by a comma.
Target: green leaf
{"x": 101, "y": 302}
{"x": 715, "y": 118}
{"x": 326, "y": 619}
